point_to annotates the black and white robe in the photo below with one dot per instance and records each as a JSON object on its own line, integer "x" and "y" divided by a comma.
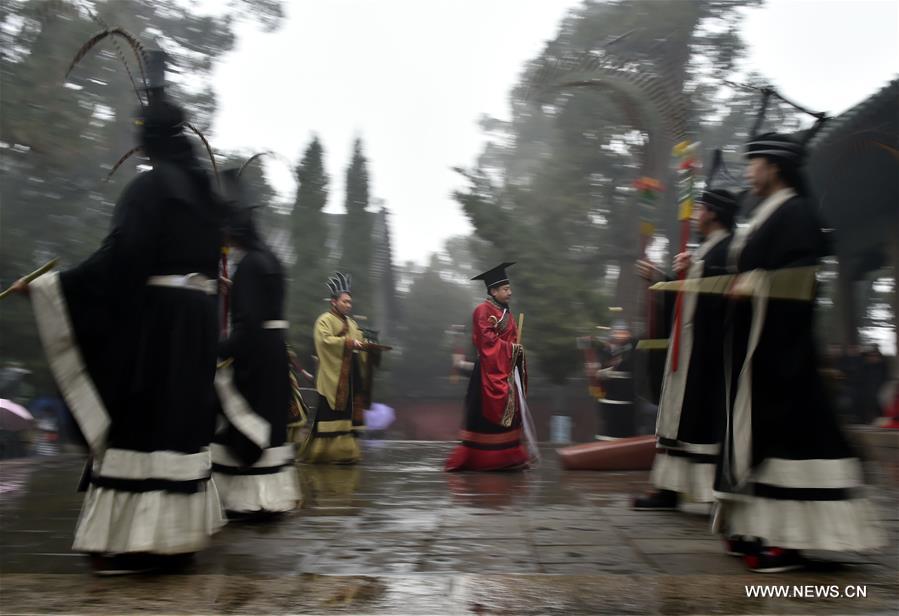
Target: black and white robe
{"x": 131, "y": 336}
{"x": 616, "y": 410}
{"x": 788, "y": 474}
{"x": 253, "y": 465}
{"x": 692, "y": 405}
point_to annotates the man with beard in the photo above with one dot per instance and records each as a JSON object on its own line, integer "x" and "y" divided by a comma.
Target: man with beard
{"x": 495, "y": 404}
{"x": 339, "y": 414}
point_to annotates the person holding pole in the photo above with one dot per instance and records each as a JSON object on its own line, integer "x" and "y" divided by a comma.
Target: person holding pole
{"x": 497, "y": 425}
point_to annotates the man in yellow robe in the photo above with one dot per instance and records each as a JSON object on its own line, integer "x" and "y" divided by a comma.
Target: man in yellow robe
{"x": 340, "y": 346}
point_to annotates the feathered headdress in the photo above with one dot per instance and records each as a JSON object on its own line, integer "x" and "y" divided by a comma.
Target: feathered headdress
{"x": 800, "y": 139}
{"x": 340, "y": 283}
{"x": 241, "y": 226}
{"x": 151, "y": 65}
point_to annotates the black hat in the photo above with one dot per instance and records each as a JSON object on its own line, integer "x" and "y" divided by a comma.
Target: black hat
{"x": 495, "y": 276}
{"x": 718, "y": 198}
{"x": 159, "y": 118}
{"x": 722, "y": 202}
{"x": 160, "y": 130}
{"x": 154, "y": 66}
{"x": 784, "y": 148}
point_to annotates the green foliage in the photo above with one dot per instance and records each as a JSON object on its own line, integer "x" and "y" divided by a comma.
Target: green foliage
{"x": 433, "y": 303}
{"x": 60, "y": 140}
{"x": 356, "y": 241}
{"x": 309, "y": 233}
{"x": 553, "y": 187}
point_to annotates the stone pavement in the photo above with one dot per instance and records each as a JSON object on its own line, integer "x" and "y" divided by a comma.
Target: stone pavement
{"x": 396, "y": 535}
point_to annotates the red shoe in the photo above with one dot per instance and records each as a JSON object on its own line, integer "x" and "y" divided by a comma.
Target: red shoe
{"x": 773, "y": 560}
{"x": 738, "y": 546}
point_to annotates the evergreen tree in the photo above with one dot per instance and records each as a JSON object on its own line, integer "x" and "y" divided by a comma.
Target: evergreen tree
{"x": 356, "y": 240}
{"x": 553, "y": 189}
{"x": 62, "y": 137}
{"x": 309, "y": 235}
{"x": 422, "y": 360}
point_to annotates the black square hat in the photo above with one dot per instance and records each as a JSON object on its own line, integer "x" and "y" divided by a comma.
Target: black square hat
{"x": 495, "y": 276}
{"x": 776, "y": 145}
{"x": 723, "y": 202}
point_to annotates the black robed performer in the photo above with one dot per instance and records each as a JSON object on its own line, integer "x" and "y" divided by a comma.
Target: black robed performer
{"x": 692, "y": 405}
{"x": 616, "y": 412}
{"x": 131, "y": 336}
{"x": 788, "y": 478}
{"x": 252, "y": 464}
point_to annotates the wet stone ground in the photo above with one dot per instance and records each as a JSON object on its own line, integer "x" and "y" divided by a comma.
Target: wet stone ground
{"x": 397, "y": 535}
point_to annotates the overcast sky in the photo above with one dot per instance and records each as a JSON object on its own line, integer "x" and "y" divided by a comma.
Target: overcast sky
{"x": 412, "y": 77}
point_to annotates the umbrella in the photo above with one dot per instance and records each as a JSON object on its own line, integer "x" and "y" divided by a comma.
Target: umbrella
{"x": 379, "y": 416}
{"x": 14, "y": 417}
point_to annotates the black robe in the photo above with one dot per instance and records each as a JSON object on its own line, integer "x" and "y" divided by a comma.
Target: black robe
{"x": 259, "y": 351}
{"x": 617, "y": 410}
{"x": 253, "y": 466}
{"x": 788, "y": 473}
{"x": 692, "y": 406}
{"x": 136, "y": 364}
{"x": 792, "y": 416}
{"x": 151, "y": 350}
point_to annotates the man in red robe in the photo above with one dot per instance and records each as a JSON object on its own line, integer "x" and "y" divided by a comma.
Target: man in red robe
{"x": 493, "y": 436}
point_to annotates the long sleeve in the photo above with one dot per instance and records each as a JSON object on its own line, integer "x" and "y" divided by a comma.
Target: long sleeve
{"x": 125, "y": 259}
{"x": 330, "y": 334}
{"x": 663, "y": 311}
{"x": 248, "y": 305}
{"x": 83, "y": 312}
{"x": 327, "y": 339}
{"x": 486, "y": 338}
{"x": 103, "y": 292}
{"x": 496, "y": 358}
{"x": 792, "y": 237}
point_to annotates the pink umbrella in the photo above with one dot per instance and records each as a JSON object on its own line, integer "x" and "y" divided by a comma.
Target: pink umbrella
{"x": 14, "y": 417}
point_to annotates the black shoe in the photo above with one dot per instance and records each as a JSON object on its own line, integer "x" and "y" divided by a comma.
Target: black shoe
{"x": 254, "y": 517}
{"x": 174, "y": 563}
{"x": 663, "y": 500}
{"x": 774, "y": 560}
{"x": 741, "y": 546}
{"x": 122, "y": 564}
